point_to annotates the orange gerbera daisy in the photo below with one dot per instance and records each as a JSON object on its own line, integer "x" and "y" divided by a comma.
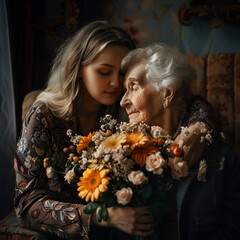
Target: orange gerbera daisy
{"x": 136, "y": 139}
{"x": 114, "y": 141}
{"x": 85, "y": 141}
{"x": 92, "y": 184}
{"x": 140, "y": 153}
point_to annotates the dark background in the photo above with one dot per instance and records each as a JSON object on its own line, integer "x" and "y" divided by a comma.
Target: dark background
{"x": 36, "y": 29}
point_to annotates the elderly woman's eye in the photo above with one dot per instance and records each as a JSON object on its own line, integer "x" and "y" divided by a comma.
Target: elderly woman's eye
{"x": 134, "y": 87}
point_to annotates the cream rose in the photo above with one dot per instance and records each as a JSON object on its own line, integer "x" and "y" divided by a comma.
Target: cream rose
{"x": 124, "y": 195}
{"x": 179, "y": 167}
{"x": 137, "y": 177}
{"x": 155, "y": 163}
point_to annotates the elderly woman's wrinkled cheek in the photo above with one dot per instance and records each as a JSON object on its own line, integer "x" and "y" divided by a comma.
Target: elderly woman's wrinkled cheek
{"x": 143, "y": 106}
{"x": 146, "y": 105}
{"x": 147, "y": 113}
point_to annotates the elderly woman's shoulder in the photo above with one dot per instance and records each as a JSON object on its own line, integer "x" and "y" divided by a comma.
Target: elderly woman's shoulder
{"x": 198, "y": 101}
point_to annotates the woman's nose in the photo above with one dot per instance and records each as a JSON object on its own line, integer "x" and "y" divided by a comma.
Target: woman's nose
{"x": 125, "y": 101}
{"x": 115, "y": 81}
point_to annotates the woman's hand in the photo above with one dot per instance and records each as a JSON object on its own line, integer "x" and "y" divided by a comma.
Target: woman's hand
{"x": 135, "y": 221}
{"x": 192, "y": 140}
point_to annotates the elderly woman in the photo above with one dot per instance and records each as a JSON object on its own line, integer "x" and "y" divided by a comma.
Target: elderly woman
{"x": 157, "y": 91}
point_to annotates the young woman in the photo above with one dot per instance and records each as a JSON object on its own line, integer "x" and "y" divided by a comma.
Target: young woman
{"x": 85, "y": 83}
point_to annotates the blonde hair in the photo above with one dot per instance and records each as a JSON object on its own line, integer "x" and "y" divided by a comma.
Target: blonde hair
{"x": 28, "y": 102}
{"x": 64, "y": 87}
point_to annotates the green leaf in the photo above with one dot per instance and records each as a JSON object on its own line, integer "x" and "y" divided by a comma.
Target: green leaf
{"x": 99, "y": 214}
{"x": 90, "y": 207}
{"x": 76, "y": 168}
{"x": 104, "y": 212}
{"x": 56, "y": 161}
{"x": 108, "y": 198}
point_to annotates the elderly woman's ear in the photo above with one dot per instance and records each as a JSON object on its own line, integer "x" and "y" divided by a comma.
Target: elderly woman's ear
{"x": 168, "y": 95}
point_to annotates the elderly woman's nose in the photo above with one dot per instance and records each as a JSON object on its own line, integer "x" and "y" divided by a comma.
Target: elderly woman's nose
{"x": 125, "y": 100}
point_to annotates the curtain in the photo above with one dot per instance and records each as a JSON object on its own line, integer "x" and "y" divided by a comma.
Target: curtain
{"x": 7, "y": 118}
{"x": 219, "y": 81}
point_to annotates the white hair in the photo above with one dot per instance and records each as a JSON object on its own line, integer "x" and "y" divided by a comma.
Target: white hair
{"x": 164, "y": 67}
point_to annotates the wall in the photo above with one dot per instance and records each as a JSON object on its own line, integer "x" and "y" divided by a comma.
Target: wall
{"x": 157, "y": 21}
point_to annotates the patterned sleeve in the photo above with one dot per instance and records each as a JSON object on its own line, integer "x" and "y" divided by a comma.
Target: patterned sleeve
{"x": 200, "y": 110}
{"x": 34, "y": 206}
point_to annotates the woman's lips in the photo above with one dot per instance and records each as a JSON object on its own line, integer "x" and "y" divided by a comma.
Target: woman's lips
{"x": 130, "y": 113}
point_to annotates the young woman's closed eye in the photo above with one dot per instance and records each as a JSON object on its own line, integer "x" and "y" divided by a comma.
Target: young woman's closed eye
{"x": 105, "y": 71}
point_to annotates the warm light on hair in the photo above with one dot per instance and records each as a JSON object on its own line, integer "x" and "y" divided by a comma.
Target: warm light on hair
{"x": 64, "y": 87}
{"x": 164, "y": 67}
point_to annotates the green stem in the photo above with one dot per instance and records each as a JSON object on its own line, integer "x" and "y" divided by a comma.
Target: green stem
{"x": 60, "y": 172}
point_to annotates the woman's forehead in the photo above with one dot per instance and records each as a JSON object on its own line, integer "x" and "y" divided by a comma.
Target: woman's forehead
{"x": 136, "y": 73}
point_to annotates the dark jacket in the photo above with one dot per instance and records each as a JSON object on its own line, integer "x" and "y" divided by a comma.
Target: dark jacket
{"x": 205, "y": 210}
{"x": 211, "y": 209}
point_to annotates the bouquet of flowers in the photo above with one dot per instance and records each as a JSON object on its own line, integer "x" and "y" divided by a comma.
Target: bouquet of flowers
{"x": 121, "y": 164}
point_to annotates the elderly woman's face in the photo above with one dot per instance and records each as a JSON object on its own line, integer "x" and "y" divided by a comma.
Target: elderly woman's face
{"x": 141, "y": 100}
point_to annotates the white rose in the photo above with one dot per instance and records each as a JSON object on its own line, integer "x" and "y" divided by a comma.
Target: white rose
{"x": 155, "y": 163}
{"x": 49, "y": 172}
{"x": 124, "y": 195}
{"x": 69, "y": 176}
{"x": 137, "y": 177}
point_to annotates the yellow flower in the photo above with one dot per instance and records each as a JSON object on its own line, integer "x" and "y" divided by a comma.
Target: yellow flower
{"x": 136, "y": 139}
{"x": 114, "y": 141}
{"x": 85, "y": 141}
{"x": 92, "y": 184}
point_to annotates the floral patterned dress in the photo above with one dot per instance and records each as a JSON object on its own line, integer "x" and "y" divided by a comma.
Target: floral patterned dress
{"x": 48, "y": 204}
{"x": 36, "y": 195}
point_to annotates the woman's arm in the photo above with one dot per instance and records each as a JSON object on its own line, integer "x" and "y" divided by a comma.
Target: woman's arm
{"x": 34, "y": 206}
